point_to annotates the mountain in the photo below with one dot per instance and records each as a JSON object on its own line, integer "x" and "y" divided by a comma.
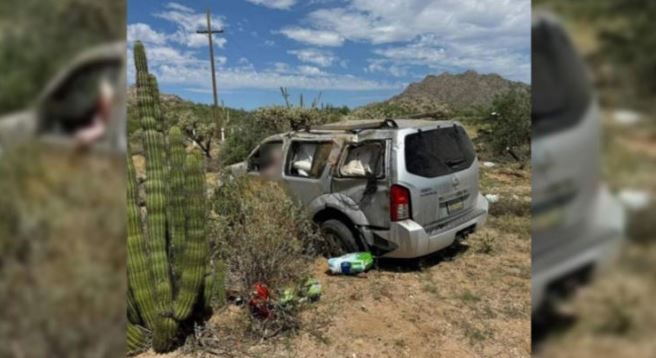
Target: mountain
{"x": 442, "y": 95}
{"x": 456, "y": 91}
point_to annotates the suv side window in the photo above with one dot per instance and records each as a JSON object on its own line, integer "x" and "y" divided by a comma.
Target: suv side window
{"x": 307, "y": 159}
{"x": 363, "y": 160}
{"x": 267, "y": 159}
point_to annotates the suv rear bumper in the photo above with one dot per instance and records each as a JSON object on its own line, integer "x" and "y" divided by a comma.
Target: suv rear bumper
{"x": 413, "y": 240}
{"x": 594, "y": 248}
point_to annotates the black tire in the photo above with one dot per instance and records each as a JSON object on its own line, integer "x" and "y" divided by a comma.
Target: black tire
{"x": 339, "y": 237}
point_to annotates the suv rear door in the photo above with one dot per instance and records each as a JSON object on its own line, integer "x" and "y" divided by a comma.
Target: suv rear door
{"x": 363, "y": 175}
{"x": 305, "y": 170}
{"x": 438, "y": 166}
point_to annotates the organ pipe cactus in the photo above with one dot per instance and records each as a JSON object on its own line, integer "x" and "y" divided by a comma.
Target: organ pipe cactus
{"x": 168, "y": 246}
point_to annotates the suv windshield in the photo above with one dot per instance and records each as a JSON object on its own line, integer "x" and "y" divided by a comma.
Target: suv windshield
{"x": 437, "y": 152}
{"x": 561, "y": 90}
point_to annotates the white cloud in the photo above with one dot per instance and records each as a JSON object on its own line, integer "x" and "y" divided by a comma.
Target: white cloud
{"x": 188, "y": 21}
{"x": 313, "y": 37}
{"x": 195, "y": 74}
{"x": 317, "y": 57}
{"x": 310, "y": 70}
{"x": 383, "y": 66}
{"x": 280, "y": 67}
{"x": 144, "y": 33}
{"x": 484, "y": 35}
{"x": 274, "y": 4}
{"x": 432, "y": 52}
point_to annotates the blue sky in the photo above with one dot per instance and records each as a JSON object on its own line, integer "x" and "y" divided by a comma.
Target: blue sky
{"x": 352, "y": 51}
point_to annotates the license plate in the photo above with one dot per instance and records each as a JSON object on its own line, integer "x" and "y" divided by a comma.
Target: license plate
{"x": 455, "y": 206}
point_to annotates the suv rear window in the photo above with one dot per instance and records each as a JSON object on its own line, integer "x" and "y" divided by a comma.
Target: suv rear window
{"x": 561, "y": 90}
{"x": 438, "y": 152}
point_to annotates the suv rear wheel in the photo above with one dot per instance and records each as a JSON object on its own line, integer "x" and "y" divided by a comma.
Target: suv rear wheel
{"x": 339, "y": 237}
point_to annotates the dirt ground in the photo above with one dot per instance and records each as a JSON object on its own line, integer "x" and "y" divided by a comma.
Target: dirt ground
{"x": 471, "y": 300}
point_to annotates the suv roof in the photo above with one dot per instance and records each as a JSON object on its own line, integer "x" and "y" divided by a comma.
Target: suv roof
{"x": 362, "y": 124}
{"x": 347, "y": 129}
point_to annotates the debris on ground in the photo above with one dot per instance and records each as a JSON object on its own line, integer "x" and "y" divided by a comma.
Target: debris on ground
{"x": 488, "y": 164}
{"x": 634, "y": 199}
{"x": 311, "y": 289}
{"x": 351, "y": 264}
{"x": 492, "y": 198}
{"x": 260, "y": 302}
{"x": 626, "y": 117}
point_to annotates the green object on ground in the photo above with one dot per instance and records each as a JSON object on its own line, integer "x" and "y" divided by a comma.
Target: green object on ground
{"x": 312, "y": 288}
{"x": 352, "y": 263}
{"x": 287, "y": 296}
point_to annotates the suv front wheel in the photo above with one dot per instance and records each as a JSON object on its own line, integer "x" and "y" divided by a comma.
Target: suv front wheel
{"x": 339, "y": 237}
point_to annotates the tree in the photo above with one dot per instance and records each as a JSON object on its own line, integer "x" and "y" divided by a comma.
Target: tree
{"x": 199, "y": 128}
{"x": 510, "y": 120}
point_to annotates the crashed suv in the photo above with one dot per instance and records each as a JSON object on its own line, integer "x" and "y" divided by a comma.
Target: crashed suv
{"x": 401, "y": 188}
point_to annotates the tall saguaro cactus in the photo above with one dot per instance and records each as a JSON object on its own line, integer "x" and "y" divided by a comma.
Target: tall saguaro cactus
{"x": 168, "y": 260}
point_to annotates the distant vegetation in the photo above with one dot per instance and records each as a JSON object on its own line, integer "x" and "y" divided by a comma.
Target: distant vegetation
{"x": 620, "y": 45}
{"x": 468, "y": 97}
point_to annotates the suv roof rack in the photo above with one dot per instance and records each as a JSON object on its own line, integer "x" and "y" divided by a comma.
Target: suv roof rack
{"x": 356, "y": 126}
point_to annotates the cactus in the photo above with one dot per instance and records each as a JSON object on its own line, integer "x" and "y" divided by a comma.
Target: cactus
{"x": 138, "y": 269}
{"x": 137, "y": 338}
{"x": 133, "y": 313}
{"x": 177, "y": 199}
{"x": 214, "y": 285}
{"x": 154, "y": 94}
{"x": 196, "y": 247}
{"x": 167, "y": 262}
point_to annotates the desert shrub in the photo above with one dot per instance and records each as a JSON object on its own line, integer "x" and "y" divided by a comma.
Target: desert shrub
{"x": 399, "y": 109}
{"x": 510, "y": 206}
{"x": 641, "y": 224}
{"x": 510, "y": 126}
{"x": 241, "y": 140}
{"x": 264, "y": 237}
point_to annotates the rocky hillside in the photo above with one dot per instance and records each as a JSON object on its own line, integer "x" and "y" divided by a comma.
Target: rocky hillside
{"x": 442, "y": 96}
{"x": 163, "y": 97}
{"x": 456, "y": 91}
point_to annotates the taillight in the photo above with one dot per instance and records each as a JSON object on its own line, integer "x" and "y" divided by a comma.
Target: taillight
{"x": 399, "y": 203}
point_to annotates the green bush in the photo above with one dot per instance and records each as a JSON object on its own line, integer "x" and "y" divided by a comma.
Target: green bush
{"x": 263, "y": 236}
{"x": 244, "y": 136}
{"x": 510, "y": 124}
{"x": 262, "y": 233}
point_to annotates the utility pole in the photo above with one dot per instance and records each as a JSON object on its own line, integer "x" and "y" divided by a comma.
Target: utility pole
{"x": 209, "y": 33}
